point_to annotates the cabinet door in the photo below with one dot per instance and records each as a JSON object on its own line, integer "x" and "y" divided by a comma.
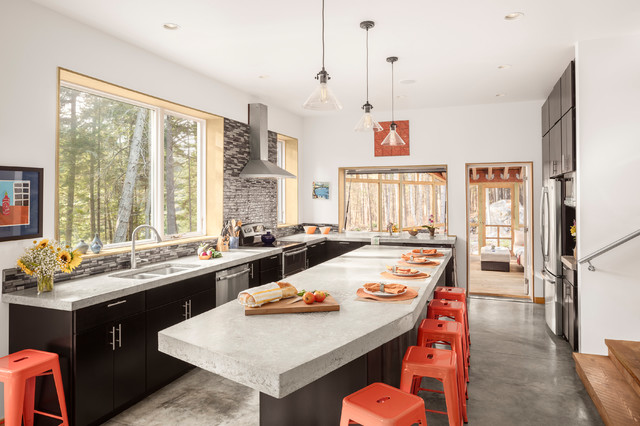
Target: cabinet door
{"x": 555, "y": 105}
{"x": 316, "y": 254}
{"x": 568, "y": 142}
{"x": 567, "y": 298}
{"x": 94, "y": 374}
{"x": 567, "y": 100}
{"x": 555, "y": 150}
{"x": 545, "y": 117}
{"x": 202, "y": 302}
{"x": 129, "y": 360}
{"x": 162, "y": 368}
{"x": 546, "y": 157}
{"x": 254, "y": 275}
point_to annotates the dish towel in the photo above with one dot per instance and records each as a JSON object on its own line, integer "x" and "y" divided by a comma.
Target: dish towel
{"x": 263, "y": 294}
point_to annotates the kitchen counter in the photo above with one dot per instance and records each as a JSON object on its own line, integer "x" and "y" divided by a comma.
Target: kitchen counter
{"x": 365, "y": 237}
{"x": 280, "y": 354}
{"x": 83, "y": 292}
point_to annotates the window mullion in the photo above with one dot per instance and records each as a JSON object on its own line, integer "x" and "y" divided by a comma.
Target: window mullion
{"x": 201, "y": 155}
{"x": 157, "y": 149}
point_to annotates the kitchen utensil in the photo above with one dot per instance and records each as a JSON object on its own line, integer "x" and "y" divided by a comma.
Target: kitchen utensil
{"x": 295, "y": 299}
{"x": 285, "y": 306}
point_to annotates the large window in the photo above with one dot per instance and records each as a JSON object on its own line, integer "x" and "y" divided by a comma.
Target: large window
{"x": 406, "y": 197}
{"x": 282, "y": 206}
{"x": 123, "y": 163}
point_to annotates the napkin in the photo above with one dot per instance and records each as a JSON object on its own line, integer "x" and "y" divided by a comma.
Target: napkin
{"x": 387, "y": 288}
{"x": 425, "y": 251}
{"x": 401, "y": 271}
{"x": 258, "y": 296}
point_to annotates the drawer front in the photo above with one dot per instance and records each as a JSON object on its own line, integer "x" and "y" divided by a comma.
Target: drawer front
{"x": 114, "y": 309}
{"x": 270, "y": 262}
{"x": 178, "y": 290}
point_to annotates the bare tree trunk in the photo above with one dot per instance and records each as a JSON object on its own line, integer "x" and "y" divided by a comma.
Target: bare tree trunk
{"x": 126, "y": 198}
{"x": 169, "y": 179}
{"x": 70, "y": 181}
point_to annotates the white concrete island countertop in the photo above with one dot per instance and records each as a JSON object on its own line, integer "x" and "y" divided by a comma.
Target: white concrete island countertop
{"x": 83, "y": 292}
{"x": 279, "y": 354}
{"x": 365, "y": 237}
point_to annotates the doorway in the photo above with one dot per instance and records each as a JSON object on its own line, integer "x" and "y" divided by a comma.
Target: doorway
{"x": 499, "y": 230}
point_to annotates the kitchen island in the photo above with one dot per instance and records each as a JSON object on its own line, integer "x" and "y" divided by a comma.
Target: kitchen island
{"x": 302, "y": 362}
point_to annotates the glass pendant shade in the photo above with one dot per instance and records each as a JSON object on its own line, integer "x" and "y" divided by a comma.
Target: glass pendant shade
{"x": 367, "y": 122}
{"x": 393, "y": 138}
{"x": 322, "y": 99}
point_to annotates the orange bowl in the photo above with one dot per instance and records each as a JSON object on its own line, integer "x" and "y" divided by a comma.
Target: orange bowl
{"x": 325, "y": 229}
{"x": 310, "y": 229}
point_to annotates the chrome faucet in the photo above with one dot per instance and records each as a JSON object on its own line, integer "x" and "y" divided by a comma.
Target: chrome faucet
{"x": 390, "y": 229}
{"x": 133, "y": 242}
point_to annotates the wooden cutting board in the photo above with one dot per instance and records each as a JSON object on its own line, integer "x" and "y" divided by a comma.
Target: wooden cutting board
{"x": 285, "y": 306}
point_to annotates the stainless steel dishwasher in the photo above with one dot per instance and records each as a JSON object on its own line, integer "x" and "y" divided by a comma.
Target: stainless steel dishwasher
{"x": 230, "y": 282}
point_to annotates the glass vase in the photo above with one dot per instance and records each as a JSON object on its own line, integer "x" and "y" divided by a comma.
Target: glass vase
{"x": 432, "y": 233}
{"x": 45, "y": 283}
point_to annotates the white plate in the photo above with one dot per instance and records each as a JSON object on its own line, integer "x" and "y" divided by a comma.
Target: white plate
{"x": 413, "y": 262}
{"x": 404, "y": 275}
{"x": 382, "y": 293}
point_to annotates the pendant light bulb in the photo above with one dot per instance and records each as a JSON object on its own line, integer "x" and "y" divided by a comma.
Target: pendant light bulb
{"x": 322, "y": 98}
{"x": 393, "y": 138}
{"x": 366, "y": 122}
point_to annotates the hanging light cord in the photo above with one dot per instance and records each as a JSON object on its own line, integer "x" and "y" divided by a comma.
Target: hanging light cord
{"x": 367, "y": 65}
{"x": 393, "y": 120}
{"x": 323, "y": 35}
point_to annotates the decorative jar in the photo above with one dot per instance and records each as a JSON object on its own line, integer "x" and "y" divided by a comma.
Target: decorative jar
{"x": 268, "y": 239}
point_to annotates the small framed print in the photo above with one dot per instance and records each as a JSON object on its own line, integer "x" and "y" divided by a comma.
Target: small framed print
{"x": 320, "y": 190}
{"x": 21, "y": 196}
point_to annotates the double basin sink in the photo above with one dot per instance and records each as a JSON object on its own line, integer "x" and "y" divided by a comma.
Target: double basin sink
{"x": 154, "y": 271}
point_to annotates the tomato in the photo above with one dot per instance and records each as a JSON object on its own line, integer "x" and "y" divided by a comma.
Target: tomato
{"x": 319, "y": 295}
{"x": 308, "y": 298}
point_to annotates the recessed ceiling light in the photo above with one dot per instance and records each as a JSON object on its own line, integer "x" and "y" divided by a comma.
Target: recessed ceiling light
{"x": 171, "y": 26}
{"x": 407, "y": 81}
{"x": 504, "y": 66}
{"x": 513, "y": 16}
{"x": 499, "y": 95}
{"x": 263, "y": 76}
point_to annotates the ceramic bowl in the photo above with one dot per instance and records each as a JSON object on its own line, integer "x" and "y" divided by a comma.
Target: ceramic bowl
{"x": 325, "y": 229}
{"x": 310, "y": 229}
{"x": 413, "y": 233}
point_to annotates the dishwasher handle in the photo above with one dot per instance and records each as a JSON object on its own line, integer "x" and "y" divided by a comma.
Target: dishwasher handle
{"x": 293, "y": 253}
{"x": 229, "y": 277}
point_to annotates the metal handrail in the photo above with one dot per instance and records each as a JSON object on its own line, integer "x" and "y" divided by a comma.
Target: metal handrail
{"x": 605, "y": 249}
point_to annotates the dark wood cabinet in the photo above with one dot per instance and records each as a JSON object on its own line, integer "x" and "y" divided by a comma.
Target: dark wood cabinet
{"x": 109, "y": 367}
{"x": 567, "y": 99}
{"x": 270, "y": 269}
{"x": 546, "y": 164}
{"x": 555, "y": 105}
{"x": 570, "y": 307}
{"x": 568, "y": 124}
{"x": 316, "y": 254}
{"x": 545, "y": 117}
{"x": 555, "y": 150}
{"x": 254, "y": 274}
{"x": 338, "y": 248}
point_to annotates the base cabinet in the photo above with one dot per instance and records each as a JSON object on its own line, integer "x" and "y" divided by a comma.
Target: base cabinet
{"x": 316, "y": 254}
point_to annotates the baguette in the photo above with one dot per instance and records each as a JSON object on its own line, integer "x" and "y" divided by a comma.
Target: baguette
{"x": 287, "y": 289}
{"x": 271, "y": 292}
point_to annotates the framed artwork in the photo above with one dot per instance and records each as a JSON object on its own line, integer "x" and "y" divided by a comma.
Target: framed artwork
{"x": 320, "y": 190}
{"x": 388, "y": 151}
{"x": 21, "y": 196}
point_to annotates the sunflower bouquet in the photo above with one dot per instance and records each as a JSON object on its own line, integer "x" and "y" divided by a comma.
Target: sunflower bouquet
{"x": 46, "y": 257}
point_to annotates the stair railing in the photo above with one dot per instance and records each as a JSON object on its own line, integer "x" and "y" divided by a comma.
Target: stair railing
{"x": 606, "y": 248}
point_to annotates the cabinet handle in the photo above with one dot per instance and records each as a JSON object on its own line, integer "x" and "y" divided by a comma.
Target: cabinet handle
{"x": 273, "y": 257}
{"x": 113, "y": 338}
{"x": 119, "y": 302}
{"x": 251, "y": 270}
{"x": 306, "y": 264}
{"x": 186, "y": 310}
{"x": 343, "y": 242}
{"x": 189, "y": 308}
{"x": 119, "y": 335}
{"x": 555, "y": 166}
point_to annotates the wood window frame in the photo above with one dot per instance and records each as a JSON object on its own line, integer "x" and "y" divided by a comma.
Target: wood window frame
{"x": 290, "y": 184}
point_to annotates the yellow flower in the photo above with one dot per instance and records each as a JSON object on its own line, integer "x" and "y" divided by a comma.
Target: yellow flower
{"x": 43, "y": 243}
{"x": 64, "y": 257}
{"x": 24, "y": 268}
{"x": 69, "y": 261}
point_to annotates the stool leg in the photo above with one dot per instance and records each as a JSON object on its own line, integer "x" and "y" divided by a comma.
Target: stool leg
{"x": 57, "y": 377}
{"x": 29, "y": 401}
{"x": 406, "y": 381}
{"x": 451, "y": 394}
{"x": 14, "y": 401}
{"x": 344, "y": 418}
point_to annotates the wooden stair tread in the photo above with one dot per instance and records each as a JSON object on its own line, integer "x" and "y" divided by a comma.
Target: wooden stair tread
{"x": 628, "y": 354}
{"x": 615, "y": 399}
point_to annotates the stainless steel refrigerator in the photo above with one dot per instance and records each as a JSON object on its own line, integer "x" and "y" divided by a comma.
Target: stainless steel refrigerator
{"x": 551, "y": 239}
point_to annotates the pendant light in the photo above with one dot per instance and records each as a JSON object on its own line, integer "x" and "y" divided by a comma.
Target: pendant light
{"x": 322, "y": 98}
{"x": 393, "y": 138}
{"x": 367, "y": 122}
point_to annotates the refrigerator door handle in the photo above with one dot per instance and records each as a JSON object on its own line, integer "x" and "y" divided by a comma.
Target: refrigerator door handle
{"x": 544, "y": 219}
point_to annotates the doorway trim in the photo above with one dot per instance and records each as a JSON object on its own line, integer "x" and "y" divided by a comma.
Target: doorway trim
{"x": 496, "y": 165}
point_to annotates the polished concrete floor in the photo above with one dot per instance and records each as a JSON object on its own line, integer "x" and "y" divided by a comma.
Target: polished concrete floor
{"x": 520, "y": 375}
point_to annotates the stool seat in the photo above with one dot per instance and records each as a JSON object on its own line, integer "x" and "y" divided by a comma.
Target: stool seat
{"x": 459, "y": 294}
{"x": 381, "y": 404}
{"x": 18, "y": 372}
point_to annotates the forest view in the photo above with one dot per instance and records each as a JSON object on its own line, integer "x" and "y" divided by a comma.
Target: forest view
{"x": 106, "y": 185}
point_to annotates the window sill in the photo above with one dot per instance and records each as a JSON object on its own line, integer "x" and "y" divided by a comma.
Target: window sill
{"x": 127, "y": 249}
{"x": 286, "y": 225}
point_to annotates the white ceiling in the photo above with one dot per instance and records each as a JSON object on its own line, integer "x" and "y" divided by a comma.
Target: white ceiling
{"x": 451, "y": 48}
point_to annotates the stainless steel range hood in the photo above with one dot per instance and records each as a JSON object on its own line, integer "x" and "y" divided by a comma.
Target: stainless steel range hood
{"x": 259, "y": 165}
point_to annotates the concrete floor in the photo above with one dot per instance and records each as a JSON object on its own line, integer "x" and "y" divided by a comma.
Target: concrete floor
{"x": 520, "y": 375}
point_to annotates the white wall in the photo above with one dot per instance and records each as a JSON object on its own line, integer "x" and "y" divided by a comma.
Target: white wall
{"x": 453, "y": 136}
{"x": 35, "y": 41}
{"x": 608, "y": 146}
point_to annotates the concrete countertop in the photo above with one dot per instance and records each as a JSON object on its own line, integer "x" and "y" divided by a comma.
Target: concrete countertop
{"x": 403, "y": 237}
{"x": 279, "y": 354}
{"x": 81, "y": 293}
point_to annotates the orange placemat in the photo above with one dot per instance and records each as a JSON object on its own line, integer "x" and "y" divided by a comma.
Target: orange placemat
{"x": 417, "y": 265}
{"x": 411, "y": 293}
{"x": 406, "y": 255}
{"x": 390, "y": 276}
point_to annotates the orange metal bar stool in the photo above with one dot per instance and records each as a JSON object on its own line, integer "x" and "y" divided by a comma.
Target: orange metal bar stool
{"x": 381, "y": 404}
{"x": 18, "y": 372}
{"x": 451, "y": 309}
{"x": 439, "y": 364}
{"x": 455, "y": 293}
{"x": 449, "y": 333}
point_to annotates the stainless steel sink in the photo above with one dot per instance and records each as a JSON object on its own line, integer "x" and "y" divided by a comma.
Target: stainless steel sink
{"x": 153, "y": 271}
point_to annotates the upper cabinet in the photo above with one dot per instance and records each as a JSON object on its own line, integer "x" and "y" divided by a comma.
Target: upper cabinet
{"x": 558, "y": 127}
